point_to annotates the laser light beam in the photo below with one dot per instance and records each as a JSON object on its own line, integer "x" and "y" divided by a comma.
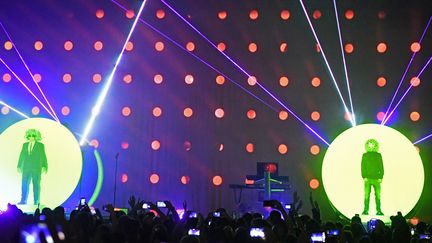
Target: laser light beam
{"x": 102, "y": 96}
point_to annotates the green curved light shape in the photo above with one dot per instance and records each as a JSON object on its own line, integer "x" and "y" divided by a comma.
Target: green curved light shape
{"x": 100, "y": 178}
{"x": 403, "y": 180}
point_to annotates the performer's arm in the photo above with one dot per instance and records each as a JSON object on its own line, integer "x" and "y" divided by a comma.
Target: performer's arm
{"x": 21, "y": 158}
{"x": 363, "y": 167}
{"x": 381, "y": 166}
{"x": 44, "y": 159}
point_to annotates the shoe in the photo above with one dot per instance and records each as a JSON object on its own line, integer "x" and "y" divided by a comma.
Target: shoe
{"x": 365, "y": 212}
{"x": 379, "y": 213}
{"x": 22, "y": 203}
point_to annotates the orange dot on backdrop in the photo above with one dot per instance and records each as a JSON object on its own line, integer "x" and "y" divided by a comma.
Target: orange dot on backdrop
{"x": 8, "y": 45}
{"x": 415, "y": 81}
{"x": 126, "y": 111}
{"x": 158, "y": 79}
{"x": 316, "y": 82}
{"x": 190, "y": 46}
{"x": 316, "y": 14}
{"x": 65, "y": 110}
{"x": 381, "y": 82}
{"x": 155, "y": 145}
{"x": 98, "y": 45}
{"x": 314, "y": 184}
{"x": 253, "y": 14}
{"x": 154, "y": 178}
{"x": 382, "y": 47}
{"x": 187, "y": 112}
{"x": 315, "y": 115}
{"x": 415, "y": 47}
{"x": 127, "y": 78}
{"x": 347, "y": 116}
{"x": 187, "y": 145}
{"x": 157, "y": 112}
{"x": 35, "y": 110}
{"x": 317, "y": 48}
{"x": 283, "y": 47}
{"x": 349, "y": 48}
{"x": 314, "y": 149}
{"x": 130, "y": 14}
{"x": 220, "y": 79}
{"x": 129, "y": 46}
{"x": 252, "y": 80}
{"x": 252, "y": 47}
{"x": 94, "y": 143}
{"x": 38, "y": 45}
{"x": 189, "y": 79}
{"x": 219, "y": 113}
{"x": 100, "y": 13}
{"x": 380, "y": 116}
{"x": 185, "y": 180}
{"x": 221, "y": 46}
{"x": 283, "y": 81}
{"x": 222, "y": 15}
{"x": 97, "y": 78}
{"x": 250, "y": 148}
{"x": 414, "y": 116}
{"x": 282, "y": 148}
{"x": 251, "y": 114}
{"x": 349, "y": 14}
{"x": 37, "y": 77}
{"x": 382, "y": 15}
{"x": 124, "y": 145}
{"x": 5, "y": 110}
{"x": 160, "y": 14}
{"x": 124, "y": 178}
{"x": 217, "y": 180}
{"x": 159, "y": 46}
{"x": 285, "y": 14}
{"x": 68, "y": 45}
{"x": 283, "y": 115}
{"x": 7, "y": 77}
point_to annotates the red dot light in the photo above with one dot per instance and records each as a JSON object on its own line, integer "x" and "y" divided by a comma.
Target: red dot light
{"x": 253, "y": 14}
{"x": 124, "y": 178}
{"x": 349, "y": 14}
{"x": 415, "y": 47}
{"x": 154, "y": 178}
{"x": 249, "y": 147}
{"x": 222, "y": 15}
{"x": 380, "y": 116}
{"x": 217, "y": 180}
{"x": 219, "y": 113}
{"x": 251, "y": 114}
{"x": 316, "y": 14}
{"x": 314, "y": 184}
{"x": 282, "y": 148}
{"x": 185, "y": 180}
{"x": 382, "y": 47}
{"x": 285, "y": 14}
{"x": 314, "y": 149}
{"x": 155, "y": 145}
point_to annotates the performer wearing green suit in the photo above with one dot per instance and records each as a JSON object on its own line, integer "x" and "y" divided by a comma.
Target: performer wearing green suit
{"x": 372, "y": 171}
{"x": 32, "y": 162}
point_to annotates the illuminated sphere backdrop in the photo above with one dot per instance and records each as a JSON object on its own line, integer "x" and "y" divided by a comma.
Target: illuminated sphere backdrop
{"x": 63, "y": 156}
{"x": 403, "y": 179}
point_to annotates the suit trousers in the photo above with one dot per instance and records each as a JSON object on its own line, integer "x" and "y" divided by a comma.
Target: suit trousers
{"x": 33, "y": 176}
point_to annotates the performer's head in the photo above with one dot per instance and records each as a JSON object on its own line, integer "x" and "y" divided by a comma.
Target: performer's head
{"x": 33, "y": 135}
{"x": 372, "y": 145}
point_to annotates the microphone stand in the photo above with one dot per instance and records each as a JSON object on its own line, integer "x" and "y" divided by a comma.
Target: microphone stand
{"x": 115, "y": 178}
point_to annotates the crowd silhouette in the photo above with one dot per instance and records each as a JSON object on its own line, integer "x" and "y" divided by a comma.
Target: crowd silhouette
{"x": 157, "y": 225}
